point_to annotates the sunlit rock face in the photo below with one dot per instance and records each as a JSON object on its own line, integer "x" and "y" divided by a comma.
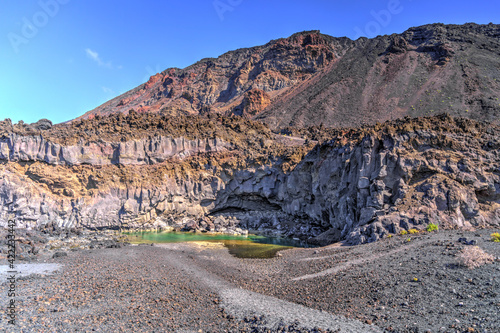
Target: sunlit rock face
{"x": 17, "y": 148}
{"x": 361, "y": 185}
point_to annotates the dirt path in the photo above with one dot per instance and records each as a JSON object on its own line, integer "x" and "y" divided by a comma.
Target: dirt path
{"x": 396, "y": 285}
{"x": 243, "y": 303}
{"x": 389, "y": 286}
{"x": 342, "y": 266}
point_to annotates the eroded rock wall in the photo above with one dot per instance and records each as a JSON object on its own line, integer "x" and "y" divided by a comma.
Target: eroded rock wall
{"x": 134, "y": 152}
{"x": 380, "y": 183}
{"x": 360, "y": 186}
{"x": 115, "y": 207}
{"x": 42, "y": 194}
{"x": 388, "y": 183}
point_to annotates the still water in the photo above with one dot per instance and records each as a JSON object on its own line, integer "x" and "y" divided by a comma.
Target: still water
{"x": 251, "y": 246}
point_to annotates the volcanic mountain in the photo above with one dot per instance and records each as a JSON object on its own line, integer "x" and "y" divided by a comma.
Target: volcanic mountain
{"x": 181, "y": 151}
{"x": 311, "y": 78}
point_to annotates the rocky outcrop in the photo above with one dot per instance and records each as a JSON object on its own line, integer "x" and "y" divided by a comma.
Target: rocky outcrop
{"x": 119, "y": 207}
{"x": 378, "y": 182}
{"x": 147, "y": 179}
{"x": 389, "y": 182}
{"x": 254, "y": 101}
{"x": 362, "y": 185}
{"x": 144, "y": 151}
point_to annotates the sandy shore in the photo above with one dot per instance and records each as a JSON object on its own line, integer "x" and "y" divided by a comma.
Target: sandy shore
{"x": 392, "y": 285}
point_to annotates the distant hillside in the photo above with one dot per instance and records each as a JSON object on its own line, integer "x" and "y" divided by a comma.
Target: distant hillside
{"x": 311, "y": 78}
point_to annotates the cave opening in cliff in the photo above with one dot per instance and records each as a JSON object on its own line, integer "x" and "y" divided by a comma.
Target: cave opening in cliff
{"x": 245, "y": 203}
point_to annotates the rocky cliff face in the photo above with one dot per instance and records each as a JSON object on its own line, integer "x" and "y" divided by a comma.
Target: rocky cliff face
{"x": 361, "y": 185}
{"x": 136, "y": 152}
{"x": 40, "y": 195}
{"x": 372, "y": 182}
{"x": 311, "y": 78}
{"x": 234, "y": 81}
{"x": 146, "y": 180}
{"x": 384, "y": 182}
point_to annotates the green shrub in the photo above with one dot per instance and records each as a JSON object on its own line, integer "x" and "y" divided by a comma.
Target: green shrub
{"x": 403, "y": 232}
{"x": 495, "y": 237}
{"x": 432, "y": 227}
{"x": 413, "y": 231}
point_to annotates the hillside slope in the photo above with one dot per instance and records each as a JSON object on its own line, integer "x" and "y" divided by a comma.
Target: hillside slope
{"x": 424, "y": 71}
{"x": 311, "y": 78}
{"x": 241, "y": 82}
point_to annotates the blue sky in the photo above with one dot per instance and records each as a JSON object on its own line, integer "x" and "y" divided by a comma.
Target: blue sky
{"x": 61, "y": 58}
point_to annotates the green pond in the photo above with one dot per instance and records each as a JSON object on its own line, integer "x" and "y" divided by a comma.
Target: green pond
{"x": 251, "y": 246}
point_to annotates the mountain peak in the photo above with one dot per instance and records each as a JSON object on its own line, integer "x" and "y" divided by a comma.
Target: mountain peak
{"x": 310, "y": 77}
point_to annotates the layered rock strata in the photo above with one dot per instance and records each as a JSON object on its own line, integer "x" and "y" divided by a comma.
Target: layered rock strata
{"x": 361, "y": 185}
{"x": 19, "y": 148}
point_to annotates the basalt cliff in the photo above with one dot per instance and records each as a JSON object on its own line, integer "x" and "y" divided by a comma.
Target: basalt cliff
{"x": 234, "y": 174}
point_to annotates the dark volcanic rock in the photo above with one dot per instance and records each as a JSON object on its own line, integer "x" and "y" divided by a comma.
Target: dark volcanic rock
{"x": 361, "y": 185}
{"x": 423, "y": 71}
{"x": 370, "y": 182}
{"x": 59, "y": 254}
{"x": 42, "y": 124}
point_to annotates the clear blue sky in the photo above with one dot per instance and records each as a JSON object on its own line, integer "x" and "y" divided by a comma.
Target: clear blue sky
{"x": 61, "y": 58}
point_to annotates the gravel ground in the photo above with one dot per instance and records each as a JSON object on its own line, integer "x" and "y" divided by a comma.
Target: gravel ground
{"x": 394, "y": 285}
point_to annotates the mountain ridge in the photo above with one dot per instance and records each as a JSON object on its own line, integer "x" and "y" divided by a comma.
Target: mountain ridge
{"x": 309, "y": 78}
{"x": 237, "y": 59}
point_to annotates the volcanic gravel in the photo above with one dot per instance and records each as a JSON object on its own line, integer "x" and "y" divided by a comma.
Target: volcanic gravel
{"x": 409, "y": 283}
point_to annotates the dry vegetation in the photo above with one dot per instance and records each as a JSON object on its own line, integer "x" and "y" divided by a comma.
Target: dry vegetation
{"x": 473, "y": 257}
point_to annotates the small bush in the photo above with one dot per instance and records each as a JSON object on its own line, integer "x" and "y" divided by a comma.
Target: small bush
{"x": 413, "y": 231}
{"x": 473, "y": 256}
{"x": 495, "y": 237}
{"x": 432, "y": 227}
{"x": 404, "y": 232}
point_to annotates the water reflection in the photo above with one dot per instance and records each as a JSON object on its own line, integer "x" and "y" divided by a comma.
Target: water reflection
{"x": 251, "y": 246}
